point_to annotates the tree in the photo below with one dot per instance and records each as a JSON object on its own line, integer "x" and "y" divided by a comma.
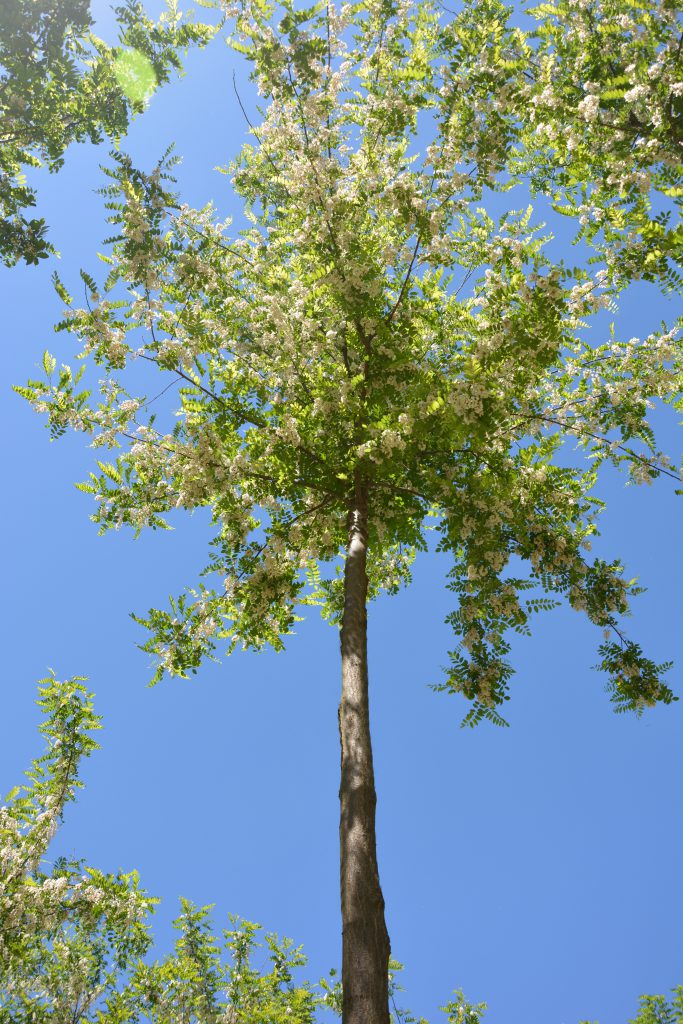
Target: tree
{"x": 73, "y": 939}
{"x": 658, "y": 1010}
{"x": 373, "y": 358}
{"x": 69, "y": 933}
{"x": 60, "y": 84}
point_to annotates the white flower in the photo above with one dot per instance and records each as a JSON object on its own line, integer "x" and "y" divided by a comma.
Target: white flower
{"x": 589, "y": 107}
{"x": 638, "y": 92}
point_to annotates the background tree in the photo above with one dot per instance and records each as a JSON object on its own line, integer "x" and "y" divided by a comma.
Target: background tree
{"x": 660, "y": 1010}
{"x": 68, "y": 934}
{"x": 60, "y": 84}
{"x": 341, "y": 393}
{"x": 73, "y": 940}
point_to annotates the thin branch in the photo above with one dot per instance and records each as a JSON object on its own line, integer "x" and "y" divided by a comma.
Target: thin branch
{"x": 606, "y": 441}
{"x": 384, "y": 484}
{"x": 162, "y": 392}
{"x": 254, "y": 132}
{"x": 329, "y": 71}
{"x": 298, "y": 103}
{"x": 221, "y": 245}
{"x": 186, "y": 377}
{"x": 399, "y": 300}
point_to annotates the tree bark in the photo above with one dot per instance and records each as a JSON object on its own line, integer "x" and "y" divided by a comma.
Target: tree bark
{"x": 365, "y": 940}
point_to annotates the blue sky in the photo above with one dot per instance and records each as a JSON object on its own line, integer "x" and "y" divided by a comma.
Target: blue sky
{"x": 537, "y": 867}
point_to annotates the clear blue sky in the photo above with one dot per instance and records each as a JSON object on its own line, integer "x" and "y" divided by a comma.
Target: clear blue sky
{"x": 538, "y": 867}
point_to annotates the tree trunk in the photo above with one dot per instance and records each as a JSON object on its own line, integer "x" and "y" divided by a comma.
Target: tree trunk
{"x": 365, "y": 940}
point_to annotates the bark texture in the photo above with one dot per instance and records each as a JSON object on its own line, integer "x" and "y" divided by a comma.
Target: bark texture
{"x": 365, "y": 940}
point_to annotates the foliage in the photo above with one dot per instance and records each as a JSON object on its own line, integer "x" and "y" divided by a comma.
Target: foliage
{"x": 458, "y": 1010}
{"x": 60, "y": 84}
{"x": 372, "y": 320}
{"x": 68, "y": 933}
{"x": 206, "y": 980}
{"x": 75, "y": 942}
{"x": 604, "y": 129}
{"x": 658, "y": 1010}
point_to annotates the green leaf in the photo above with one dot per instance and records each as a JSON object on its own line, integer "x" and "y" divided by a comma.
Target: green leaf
{"x": 49, "y": 363}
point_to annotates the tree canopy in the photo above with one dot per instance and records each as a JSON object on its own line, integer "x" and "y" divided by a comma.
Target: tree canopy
{"x": 333, "y": 336}
{"x": 60, "y": 84}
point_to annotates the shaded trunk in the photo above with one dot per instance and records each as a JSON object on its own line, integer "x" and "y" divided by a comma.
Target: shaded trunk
{"x": 365, "y": 941}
